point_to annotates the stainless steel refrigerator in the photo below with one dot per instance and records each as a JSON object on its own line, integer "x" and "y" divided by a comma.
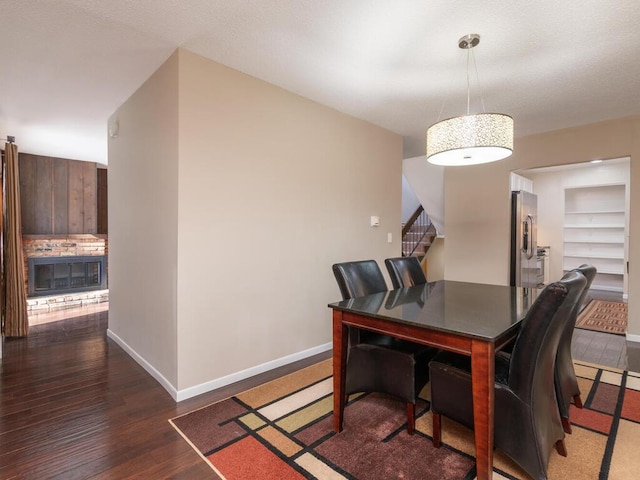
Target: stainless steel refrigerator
{"x": 524, "y": 247}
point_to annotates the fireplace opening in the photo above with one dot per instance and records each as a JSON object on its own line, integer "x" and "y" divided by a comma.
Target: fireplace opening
{"x": 60, "y": 275}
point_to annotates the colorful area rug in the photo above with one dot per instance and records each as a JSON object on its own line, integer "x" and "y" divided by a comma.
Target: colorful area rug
{"x": 283, "y": 430}
{"x": 601, "y": 316}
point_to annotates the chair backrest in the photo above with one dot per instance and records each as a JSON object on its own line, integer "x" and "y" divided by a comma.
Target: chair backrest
{"x": 589, "y": 271}
{"x": 405, "y": 271}
{"x": 534, "y": 352}
{"x": 565, "y": 377}
{"x": 357, "y": 279}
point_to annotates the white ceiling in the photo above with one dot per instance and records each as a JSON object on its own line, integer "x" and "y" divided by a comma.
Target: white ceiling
{"x": 67, "y": 65}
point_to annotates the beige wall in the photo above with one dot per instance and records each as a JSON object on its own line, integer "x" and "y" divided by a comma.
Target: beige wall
{"x": 143, "y": 217}
{"x": 269, "y": 189}
{"x": 477, "y": 201}
{"x": 435, "y": 260}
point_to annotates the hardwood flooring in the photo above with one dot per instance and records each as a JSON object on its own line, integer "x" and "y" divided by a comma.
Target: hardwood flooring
{"x": 74, "y": 405}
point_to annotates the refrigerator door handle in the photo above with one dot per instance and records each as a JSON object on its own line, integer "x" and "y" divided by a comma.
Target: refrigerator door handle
{"x": 527, "y": 244}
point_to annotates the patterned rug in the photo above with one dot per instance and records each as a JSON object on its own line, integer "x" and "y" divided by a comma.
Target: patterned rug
{"x": 283, "y": 430}
{"x": 601, "y": 316}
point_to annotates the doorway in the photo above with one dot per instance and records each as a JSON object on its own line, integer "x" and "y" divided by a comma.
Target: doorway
{"x": 583, "y": 217}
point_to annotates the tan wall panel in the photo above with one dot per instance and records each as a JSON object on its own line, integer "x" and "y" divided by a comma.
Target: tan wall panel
{"x": 143, "y": 205}
{"x": 274, "y": 188}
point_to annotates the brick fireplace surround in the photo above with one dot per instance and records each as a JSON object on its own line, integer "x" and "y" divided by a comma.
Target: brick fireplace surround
{"x": 61, "y": 246}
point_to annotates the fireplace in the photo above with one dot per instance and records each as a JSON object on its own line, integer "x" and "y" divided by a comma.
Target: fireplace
{"x": 67, "y": 274}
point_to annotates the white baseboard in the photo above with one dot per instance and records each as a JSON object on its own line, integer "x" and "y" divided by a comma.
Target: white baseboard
{"x": 144, "y": 364}
{"x": 184, "y": 394}
{"x": 633, "y": 338}
{"x": 607, "y": 288}
{"x": 249, "y": 372}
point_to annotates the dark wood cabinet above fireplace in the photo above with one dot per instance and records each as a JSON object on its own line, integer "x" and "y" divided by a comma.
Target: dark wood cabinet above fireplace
{"x": 58, "y": 196}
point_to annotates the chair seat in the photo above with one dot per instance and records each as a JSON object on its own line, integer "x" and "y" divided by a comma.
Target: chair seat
{"x": 401, "y": 371}
{"x": 391, "y": 342}
{"x": 463, "y": 363}
{"x": 502, "y": 367}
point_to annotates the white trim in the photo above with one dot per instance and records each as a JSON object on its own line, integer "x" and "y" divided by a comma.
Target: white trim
{"x": 144, "y": 364}
{"x": 250, "y": 372}
{"x": 180, "y": 395}
{"x": 633, "y": 338}
{"x": 597, "y": 185}
{"x": 607, "y": 288}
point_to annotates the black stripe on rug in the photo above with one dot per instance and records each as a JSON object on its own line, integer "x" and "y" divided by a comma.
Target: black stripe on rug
{"x": 613, "y": 433}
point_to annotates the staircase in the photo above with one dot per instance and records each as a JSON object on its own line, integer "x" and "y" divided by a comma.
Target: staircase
{"x": 417, "y": 234}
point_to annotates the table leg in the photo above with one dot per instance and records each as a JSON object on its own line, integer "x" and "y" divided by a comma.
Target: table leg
{"x": 340, "y": 340}
{"x": 483, "y": 379}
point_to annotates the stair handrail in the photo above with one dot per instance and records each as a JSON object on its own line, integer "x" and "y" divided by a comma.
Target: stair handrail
{"x": 423, "y": 221}
{"x": 412, "y": 219}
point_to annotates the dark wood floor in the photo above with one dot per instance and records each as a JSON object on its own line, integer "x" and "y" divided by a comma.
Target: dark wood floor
{"x": 74, "y": 405}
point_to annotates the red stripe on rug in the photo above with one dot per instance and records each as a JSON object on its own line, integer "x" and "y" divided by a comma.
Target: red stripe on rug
{"x": 591, "y": 419}
{"x": 631, "y": 406}
{"x": 248, "y": 458}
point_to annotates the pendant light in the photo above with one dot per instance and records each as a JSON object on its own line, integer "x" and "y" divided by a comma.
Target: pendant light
{"x": 470, "y": 139}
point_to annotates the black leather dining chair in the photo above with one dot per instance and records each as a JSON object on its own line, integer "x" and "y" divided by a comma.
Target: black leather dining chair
{"x": 566, "y": 382}
{"x": 376, "y": 362}
{"x": 527, "y": 423}
{"x": 405, "y": 271}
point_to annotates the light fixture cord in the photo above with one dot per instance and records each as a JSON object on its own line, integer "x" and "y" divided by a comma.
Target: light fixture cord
{"x": 475, "y": 66}
{"x": 470, "y": 56}
{"x": 446, "y": 98}
{"x": 444, "y": 101}
{"x": 468, "y": 82}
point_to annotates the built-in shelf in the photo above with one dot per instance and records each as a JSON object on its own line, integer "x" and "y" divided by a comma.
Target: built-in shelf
{"x": 582, "y": 255}
{"x": 592, "y": 212}
{"x": 604, "y": 242}
{"x": 594, "y": 232}
{"x": 593, "y": 225}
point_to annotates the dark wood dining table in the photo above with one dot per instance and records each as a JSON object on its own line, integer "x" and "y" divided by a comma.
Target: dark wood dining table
{"x": 467, "y": 318}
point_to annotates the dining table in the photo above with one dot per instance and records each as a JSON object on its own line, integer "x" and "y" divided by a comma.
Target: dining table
{"x": 471, "y": 319}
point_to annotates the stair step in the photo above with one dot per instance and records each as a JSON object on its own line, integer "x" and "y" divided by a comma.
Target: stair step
{"x": 414, "y": 237}
{"x": 419, "y": 228}
{"x": 424, "y": 242}
{"x": 417, "y": 240}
